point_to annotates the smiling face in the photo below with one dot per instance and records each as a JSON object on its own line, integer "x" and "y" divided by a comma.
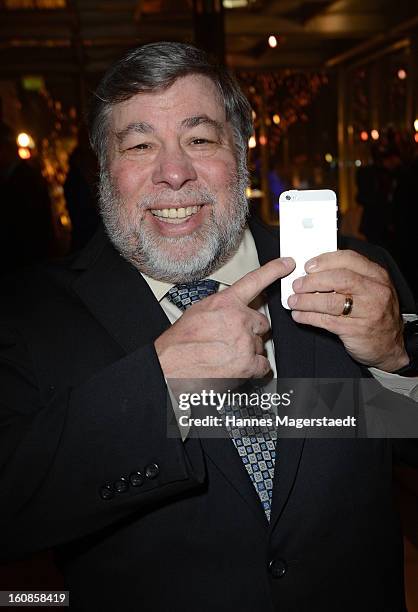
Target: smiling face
{"x": 173, "y": 195}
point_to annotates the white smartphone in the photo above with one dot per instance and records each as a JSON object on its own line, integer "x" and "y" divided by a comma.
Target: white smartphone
{"x": 308, "y": 227}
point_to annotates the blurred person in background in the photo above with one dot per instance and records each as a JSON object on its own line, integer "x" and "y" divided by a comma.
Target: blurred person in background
{"x": 376, "y": 185}
{"x": 26, "y": 221}
{"x": 405, "y": 201}
{"x": 80, "y": 192}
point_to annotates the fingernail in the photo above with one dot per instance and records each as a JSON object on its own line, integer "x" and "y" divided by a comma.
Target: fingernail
{"x": 288, "y": 261}
{"x": 311, "y": 265}
{"x": 292, "y": 300}
{"x": 295, "y": 314}
{"x": 297, "y": 284}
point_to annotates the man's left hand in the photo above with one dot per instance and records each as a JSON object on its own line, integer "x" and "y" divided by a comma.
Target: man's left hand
{"x": 372, "y": 332}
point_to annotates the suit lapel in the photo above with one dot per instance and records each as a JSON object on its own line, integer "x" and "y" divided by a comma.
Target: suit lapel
{"x": 294, "y": 359}
{"x": 294, "y": 349}
{"x": 118, "y": 296}
{"x": 223, "y": 454}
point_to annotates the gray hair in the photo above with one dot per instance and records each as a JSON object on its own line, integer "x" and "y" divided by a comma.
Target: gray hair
{"x": 154, "y": 67}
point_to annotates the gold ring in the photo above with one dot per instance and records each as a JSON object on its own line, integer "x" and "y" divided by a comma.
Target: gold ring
{"x": 348, "y": 306}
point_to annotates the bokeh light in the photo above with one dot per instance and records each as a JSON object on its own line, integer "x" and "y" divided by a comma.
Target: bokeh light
{"x": 23, "y": 153}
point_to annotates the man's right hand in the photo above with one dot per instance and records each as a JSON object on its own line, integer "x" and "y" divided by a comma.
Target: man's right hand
{"x": 221, "y": 336}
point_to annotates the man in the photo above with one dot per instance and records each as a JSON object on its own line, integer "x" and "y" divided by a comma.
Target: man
{"x": 27, "y": 224}
{"x": 142, "y": 521}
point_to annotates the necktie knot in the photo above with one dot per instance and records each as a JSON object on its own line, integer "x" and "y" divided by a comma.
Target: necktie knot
{"x": 186, "y": 294}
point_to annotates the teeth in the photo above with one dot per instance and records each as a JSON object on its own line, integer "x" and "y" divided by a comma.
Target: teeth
{"x": 176, "y": 213}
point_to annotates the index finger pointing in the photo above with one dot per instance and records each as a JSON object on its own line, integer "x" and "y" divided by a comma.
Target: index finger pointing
{"x": 252, "y": 284}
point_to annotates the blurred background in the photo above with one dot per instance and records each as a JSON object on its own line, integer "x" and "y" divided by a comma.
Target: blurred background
{"x": 334, "y": 89}
{"x": 333, "y": 86}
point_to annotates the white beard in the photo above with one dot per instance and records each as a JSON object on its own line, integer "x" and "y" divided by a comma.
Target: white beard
{"x": 176, "y": 259}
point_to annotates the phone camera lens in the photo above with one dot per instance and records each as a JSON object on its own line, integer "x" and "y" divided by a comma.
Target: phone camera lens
{"x": 288, "y": 197}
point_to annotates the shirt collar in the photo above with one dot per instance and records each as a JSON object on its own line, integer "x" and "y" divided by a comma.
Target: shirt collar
{"x": 244, "y": 260}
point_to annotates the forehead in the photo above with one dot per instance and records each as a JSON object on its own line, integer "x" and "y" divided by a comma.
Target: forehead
{"x": 188, "y": 96}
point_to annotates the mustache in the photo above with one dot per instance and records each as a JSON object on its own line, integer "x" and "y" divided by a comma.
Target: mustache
{"x": 183, "y": 198}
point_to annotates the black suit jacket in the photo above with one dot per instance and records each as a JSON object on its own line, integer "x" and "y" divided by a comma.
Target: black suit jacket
{"x": 84, "y": 404}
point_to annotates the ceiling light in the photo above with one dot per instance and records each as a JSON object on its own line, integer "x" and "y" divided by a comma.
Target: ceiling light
{"x": 232, "y": 4}
{"x": 273, "y": 41}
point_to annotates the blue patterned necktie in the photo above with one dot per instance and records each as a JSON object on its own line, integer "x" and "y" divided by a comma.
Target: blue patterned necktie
{"x": 184, "y": 296}
{"x": 255, "y": 445}
{"x": 257, "y": 448}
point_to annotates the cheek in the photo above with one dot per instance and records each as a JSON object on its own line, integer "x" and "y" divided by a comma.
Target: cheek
{"x": 128, "y": 179}
{"x": 218, "y": 175}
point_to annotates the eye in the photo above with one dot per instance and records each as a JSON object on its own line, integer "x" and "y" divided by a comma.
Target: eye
{"x": 142, "y": 146}
{"x": 199, "y": 141}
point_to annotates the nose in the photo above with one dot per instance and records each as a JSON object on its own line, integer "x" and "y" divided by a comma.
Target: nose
{"x": 173, "y": 168}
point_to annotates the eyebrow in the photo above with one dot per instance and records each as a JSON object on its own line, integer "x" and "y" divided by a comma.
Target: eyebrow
{"x": 192, "y": 122}
{"x": 140, "y": 127}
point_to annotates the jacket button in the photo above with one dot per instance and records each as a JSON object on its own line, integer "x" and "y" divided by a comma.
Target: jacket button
{"x": 277, "y": 568}
{"x": 106, "y": 492}
{"x": 136, "y": 479}
{"x": 121, "y": 485}
{"x": 152, "y": 470}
